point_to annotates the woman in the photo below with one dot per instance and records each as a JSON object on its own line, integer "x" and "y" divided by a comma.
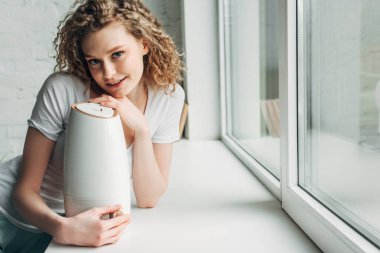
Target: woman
{"x": 114, "y": 53}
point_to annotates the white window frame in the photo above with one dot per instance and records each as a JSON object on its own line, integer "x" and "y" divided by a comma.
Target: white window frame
{"x": 270, "y": 181}
{"x": 328, "y": 231}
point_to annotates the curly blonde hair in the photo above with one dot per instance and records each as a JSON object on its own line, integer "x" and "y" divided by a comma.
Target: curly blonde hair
{"x": 162, "y": 64}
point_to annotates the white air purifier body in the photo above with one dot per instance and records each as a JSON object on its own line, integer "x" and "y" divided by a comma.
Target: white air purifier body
{"x": 96, "y": 172}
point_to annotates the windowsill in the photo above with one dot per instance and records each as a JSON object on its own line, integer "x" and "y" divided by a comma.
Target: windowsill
{"x": 265, "y": 149}
{"x": 213, "y": 204}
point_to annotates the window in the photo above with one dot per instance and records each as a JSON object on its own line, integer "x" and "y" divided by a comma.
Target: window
{"x": 252, "y": 90}
{"x": 320, "y": 61}
{"x": 339, "y": 138}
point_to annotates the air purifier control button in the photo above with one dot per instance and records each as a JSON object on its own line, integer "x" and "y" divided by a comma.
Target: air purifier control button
{"x": 96, "y": 110}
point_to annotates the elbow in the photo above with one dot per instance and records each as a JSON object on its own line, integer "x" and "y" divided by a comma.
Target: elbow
{"x": 144, "y": 201}
{"x": 16, "y": 197}
{"x": 20, "y": 195}
{"x": 149, "y": 203}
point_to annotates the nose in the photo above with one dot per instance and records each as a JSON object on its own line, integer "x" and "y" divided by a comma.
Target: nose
{"x": 108, "y": 70}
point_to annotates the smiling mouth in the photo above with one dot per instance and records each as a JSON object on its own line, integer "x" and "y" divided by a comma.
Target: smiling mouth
{"x": 116, "y": 83}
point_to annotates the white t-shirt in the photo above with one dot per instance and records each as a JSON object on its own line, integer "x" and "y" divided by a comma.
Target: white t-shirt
{"x": 50, "y": 116}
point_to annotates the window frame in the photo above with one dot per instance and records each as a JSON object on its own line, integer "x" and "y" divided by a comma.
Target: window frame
{"x": 327, "y": 230}
{"x": 270, "y": 181}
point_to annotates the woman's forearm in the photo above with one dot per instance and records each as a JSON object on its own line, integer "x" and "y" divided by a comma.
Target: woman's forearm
{"x": 148, "y": 181}
{"x": 84, "y": 229}
{"x": 26, "y": 197}
{"x": 34, "y": 209}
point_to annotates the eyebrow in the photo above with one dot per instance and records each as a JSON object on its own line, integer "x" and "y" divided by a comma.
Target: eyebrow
{"x": 109, "y": 51}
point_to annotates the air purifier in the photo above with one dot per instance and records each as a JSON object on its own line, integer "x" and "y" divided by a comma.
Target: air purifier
{"x": 96, "y": 169}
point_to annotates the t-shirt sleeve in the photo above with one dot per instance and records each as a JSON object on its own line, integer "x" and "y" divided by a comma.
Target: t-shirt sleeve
{"x": 168, "y": 131}
{"x": 50, "y": 107}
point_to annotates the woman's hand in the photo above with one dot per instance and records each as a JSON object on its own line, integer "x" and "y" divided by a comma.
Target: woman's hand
{"x": 130, "y": 115}
{"x": 87, "y": 229}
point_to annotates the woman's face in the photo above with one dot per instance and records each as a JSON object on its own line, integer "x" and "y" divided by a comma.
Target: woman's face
{"x": 115, "y": 58}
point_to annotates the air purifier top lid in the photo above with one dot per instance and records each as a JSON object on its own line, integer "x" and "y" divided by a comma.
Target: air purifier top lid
{"x": 95, "y": 110}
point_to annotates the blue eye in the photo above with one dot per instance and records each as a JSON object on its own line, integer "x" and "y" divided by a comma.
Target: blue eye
{"x": 117, "y": 54}
{"x": 93, "y": 62}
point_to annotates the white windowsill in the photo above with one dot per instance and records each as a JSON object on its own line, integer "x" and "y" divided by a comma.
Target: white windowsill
{"x": 265, "y": 149}
{"x": 213, "y": 204}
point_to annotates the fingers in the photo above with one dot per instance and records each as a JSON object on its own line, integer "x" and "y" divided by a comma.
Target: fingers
{"x": 116, "y": 231}
{"x": 108, "y": 224}
{"x": 112, "y": 105}
{"x": 116, "y": 216}
{"x": 106, "y": 209}
{"x": 107, "y": 101}
{"x": 99, "y": 100}
{"x": 102, "y": 98}
{"x": 113, "y": 229}
{"x": 109, "y": 236}
{"x": 87, "y": 229}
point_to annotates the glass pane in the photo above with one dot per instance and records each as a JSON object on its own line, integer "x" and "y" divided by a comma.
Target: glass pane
{"x": 252, "y": 80}
{"x": 339, "y": 106}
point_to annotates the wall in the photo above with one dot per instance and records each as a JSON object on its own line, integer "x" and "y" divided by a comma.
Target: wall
{"x": 200, "y": 40}
{"x": 26, "y": 37}
{"x": 26, "y": 34}
{"x": 168, "y": 12}
{"x": 245, "y": 72}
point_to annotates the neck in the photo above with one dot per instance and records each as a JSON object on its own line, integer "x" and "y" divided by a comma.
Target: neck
{"x": 139, "y": 95}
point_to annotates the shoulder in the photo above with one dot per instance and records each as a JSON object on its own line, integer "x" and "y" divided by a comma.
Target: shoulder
{"x": 170, "y": 93}
{"x": 176, "y": 92}
{"x": 167, "y": 100}
{"x": 62, "y": 86}
{"x": 61, "y": 81}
